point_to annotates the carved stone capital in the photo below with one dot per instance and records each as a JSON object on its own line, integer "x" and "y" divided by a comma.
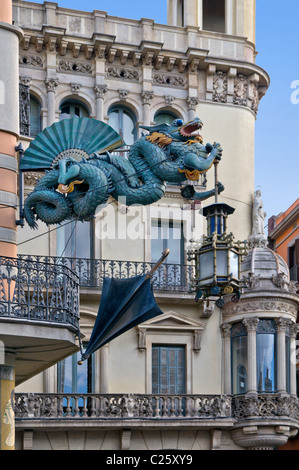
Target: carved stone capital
{"x": 251, "y": 323}
{"x": 193, "y": 102}
{"x": 226, "y": 330}
{"x": 147, "y": 96}
{"x": 51, "y": 84}
{"x": 100, "y": 91}
{"x": 282, "y": 324}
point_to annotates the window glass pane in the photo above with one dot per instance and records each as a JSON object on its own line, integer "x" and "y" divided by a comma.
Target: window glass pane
{"x": 221, "y": 260}
{"x": 239, "y": 364}
{"x": 128, "y": 129}
{"x": 169, "y": 235}
{"x": 123, "y": 122}
{"x": 266, "y": 362}
{"x": 73, "y": 378}
{"x": 206, "y": 267}
{"x": 164, "y": 118}
{"x": 113, "y": 121}
{"x": 72, "y": 109}
{"x": 73, "y": 240}
{"x": 234, "y": 264}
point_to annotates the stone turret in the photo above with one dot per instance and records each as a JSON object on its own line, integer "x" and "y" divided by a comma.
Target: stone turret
{"x": 260, "y": 332}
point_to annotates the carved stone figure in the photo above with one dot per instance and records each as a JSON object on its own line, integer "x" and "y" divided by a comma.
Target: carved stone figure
{"x": 258, "y": 237}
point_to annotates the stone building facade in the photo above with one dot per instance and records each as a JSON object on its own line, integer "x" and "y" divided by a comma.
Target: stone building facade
{"x": 128, "y": 73}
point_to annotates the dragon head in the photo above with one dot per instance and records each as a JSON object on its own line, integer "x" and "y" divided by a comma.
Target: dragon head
{"x": 68, "y": 171}
{"x": 177, "y": 131}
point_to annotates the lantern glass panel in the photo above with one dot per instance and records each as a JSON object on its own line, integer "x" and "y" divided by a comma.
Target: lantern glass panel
{"x": 221, "y": 260}
{"x": 206, "y": 267}
{"x": 234, "y": 264}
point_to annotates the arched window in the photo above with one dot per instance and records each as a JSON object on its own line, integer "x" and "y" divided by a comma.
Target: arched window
{"x": 35, "y": 117}
{"x": 123, "y": 121}
{"x": 72, "y": 108}
{"x": 239, "y": 358}
{"x": 165, "y": 117}
{"x": 214, "y": 15}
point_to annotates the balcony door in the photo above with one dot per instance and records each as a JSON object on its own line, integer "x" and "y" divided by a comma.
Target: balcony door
{"x": 75, "y": 243}
{"x": 168, "y": 370}
{"x": 168, "y": 235}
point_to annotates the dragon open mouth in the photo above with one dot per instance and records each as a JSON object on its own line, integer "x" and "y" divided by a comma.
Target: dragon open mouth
{"x": 68, "y": 188}
{"x": 187, "y": 130}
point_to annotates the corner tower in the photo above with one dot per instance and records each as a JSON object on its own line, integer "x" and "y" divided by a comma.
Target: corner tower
{"x": 229, "y": 86}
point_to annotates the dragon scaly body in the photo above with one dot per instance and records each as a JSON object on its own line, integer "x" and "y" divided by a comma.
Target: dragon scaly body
{"x": 168, "y": 154}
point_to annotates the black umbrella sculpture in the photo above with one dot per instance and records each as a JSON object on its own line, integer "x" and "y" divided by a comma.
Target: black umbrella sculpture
{"x": 124, "y": 304}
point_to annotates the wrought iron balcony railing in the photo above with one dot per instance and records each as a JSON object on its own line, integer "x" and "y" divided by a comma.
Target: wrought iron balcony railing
{"x": 91, "y": 272}
{"x": 31, "y": 406}
{"x": 34, "y": 290}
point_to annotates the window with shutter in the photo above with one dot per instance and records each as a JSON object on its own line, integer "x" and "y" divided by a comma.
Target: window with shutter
{"x": 168, "y": 369}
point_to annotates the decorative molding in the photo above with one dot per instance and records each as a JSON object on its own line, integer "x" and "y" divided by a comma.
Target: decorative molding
{"x": 220, "y": 87}
{"x": 74, "y": 67}
{"x": 75, "y": 87}
{"x": 177, "y": 81}
{"x": 169, "y": 100}
{"x": 274, "y": 305}
{"x": 32, "y": 60}
{"x": 240, "y": 90}
{"x": 171, "y": 323}
{"x": 122, "y": 73}
{"x": 123, "y": 94}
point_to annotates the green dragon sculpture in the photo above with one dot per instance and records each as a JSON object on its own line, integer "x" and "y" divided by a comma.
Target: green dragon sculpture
{"x": 75, "y": 187}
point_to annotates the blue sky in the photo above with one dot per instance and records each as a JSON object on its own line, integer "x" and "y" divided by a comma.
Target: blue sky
{"x": 277, "y": 126}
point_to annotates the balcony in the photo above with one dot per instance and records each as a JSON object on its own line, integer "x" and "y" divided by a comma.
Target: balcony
{"x": 102, "y": 410}
{"x": 91, "y": 272}
{"x": 39, "y": 313}
{"x": 113, "y": 407}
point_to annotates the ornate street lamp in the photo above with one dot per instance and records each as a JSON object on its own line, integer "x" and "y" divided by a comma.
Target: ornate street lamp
{"x": 218, "y": 257}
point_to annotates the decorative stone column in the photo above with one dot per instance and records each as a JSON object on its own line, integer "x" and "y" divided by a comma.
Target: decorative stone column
{"x": 51, "y": 85}
{"x": 251, "y": 326}
{"x": 281, "y": 325}
{"x": 100, "y": 91}
{"x": 226, "y": 331}
{"x": 147, "y": 97}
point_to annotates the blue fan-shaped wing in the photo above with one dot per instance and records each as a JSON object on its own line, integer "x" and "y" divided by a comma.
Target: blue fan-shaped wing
{"x": 84, "y": 134}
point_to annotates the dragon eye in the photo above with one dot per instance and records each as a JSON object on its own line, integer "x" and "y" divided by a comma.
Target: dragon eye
{"x": 179, "y": 122}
